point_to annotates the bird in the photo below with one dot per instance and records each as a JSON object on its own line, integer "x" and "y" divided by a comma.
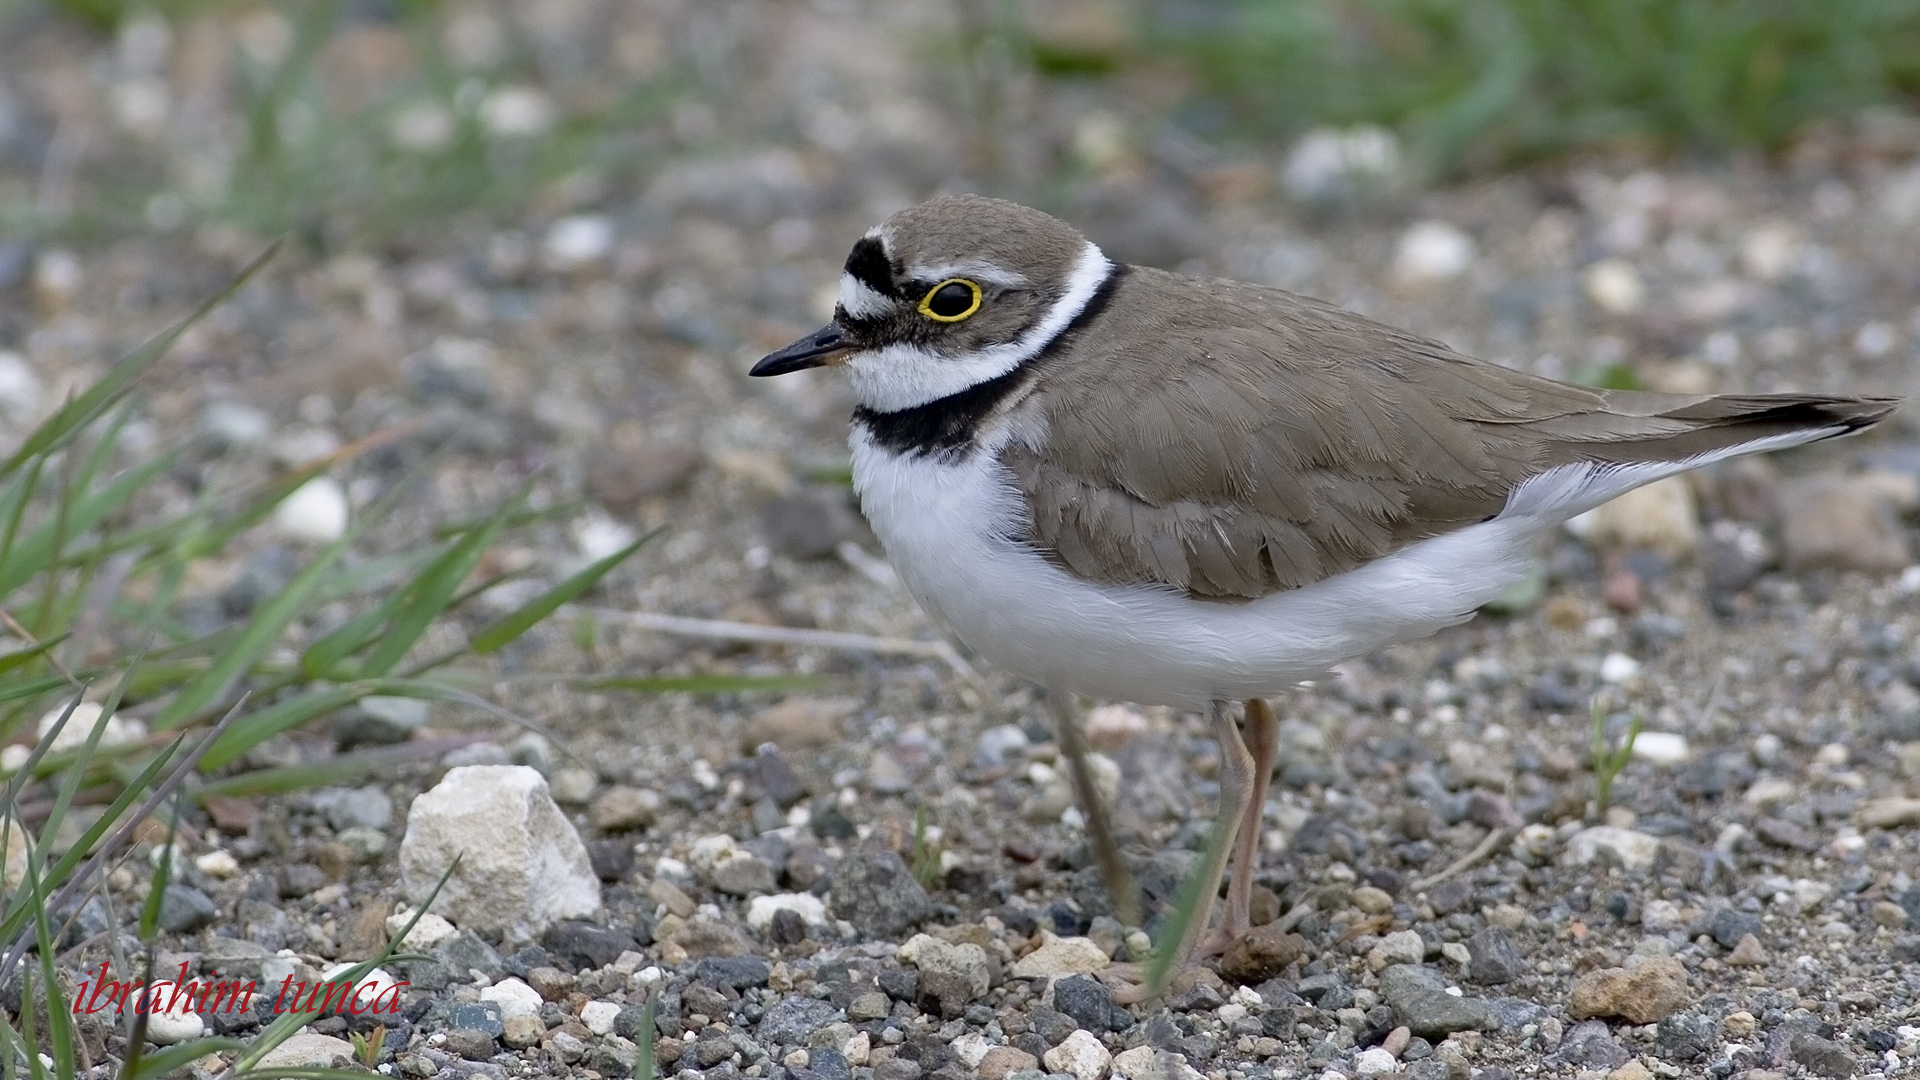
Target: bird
{"x": 1136, "y": 485}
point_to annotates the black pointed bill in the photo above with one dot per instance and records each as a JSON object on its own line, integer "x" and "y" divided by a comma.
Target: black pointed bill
{"x": 824, "y": 346}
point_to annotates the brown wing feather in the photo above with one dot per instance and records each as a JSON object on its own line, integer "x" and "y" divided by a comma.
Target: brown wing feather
{"x": 1234, "y": 441}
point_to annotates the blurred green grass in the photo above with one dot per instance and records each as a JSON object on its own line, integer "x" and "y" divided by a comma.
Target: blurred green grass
{"x": 341, "y": 121}
{"x": 1473, "y": 85}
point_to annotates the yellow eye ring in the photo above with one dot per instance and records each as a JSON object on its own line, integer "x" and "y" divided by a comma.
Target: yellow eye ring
{"x": 946, "y": 311}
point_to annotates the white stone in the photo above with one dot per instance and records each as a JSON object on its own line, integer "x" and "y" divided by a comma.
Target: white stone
{"x": 515, "y": 111}
{"x": 1618, "y": 668}
{"x": 1635, "y": 850}
{"x": 1399, "y": 947}
{"x": 1662, "y": 516}
{"x": 423, "y": 127}
{"x": 431, "y": 930}
{"x": 514, "y": 997}
{"x": 1374, "y": 1062}
{"x": 1329, "y": 164}
{"x": 761, "y": 909}
{"x": 165, "y": 1026}
{"x": 598, "y": 1016}
{"x": 522, "y": 865}
{"x": 970, "y": 1048}
{"x": 315, "y": 512}
{"x": 20, "y": 389}
{"x": 598, "y": 537}
{"x": 367, "y": 989}
{"x": 119, "y": 730}
{"x": 858, "y": 1049}
{"x": 579, "y": 239}
{"x": 14, "y": 756}
{"x": 1081, "y": 1056}
{"x": 1808, "y": 894}
{"x": 1061, "y": 956}
{"x": 1661, "y": 747}
{"x": 1615, "y": 286}
{"x": 1432, "y": 251}
{"x": 307, "y": 1050}
{"x": 1768, "y": 790}
{"x": 1148, "y": 1063}
{"x": 236, "y": 424}
{"x": 964, "y": 961}
{"x": 217, "y": 864}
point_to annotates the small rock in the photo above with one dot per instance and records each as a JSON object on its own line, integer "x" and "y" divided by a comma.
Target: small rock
{"x": 997, "y": 745}
{"x": 801, "y": 724}
{"x": 1888, "y": 813}
{"x": 1399, "y": 947}
{"x": 522, "y": 865}
{"x": 165, "y": 1026}
{"x": 1495, "y": 958}
{"x": 1828, "y": 524}
{"x": 572, "y": 786}
{"x": 307, "y": 1050}
{"x": 1432, "y": 251}
{"x": 1333, "y": 167}
{"x": 1081, "y": 1056}
{"x": 1786, "y": 834}
{"x": 1822, "y": 1057}
{"x": 1614, "y": 286}
{"x": 472, "y": 1044}
{"x": 522, "y": 1030}
{"x": 379, "y": 721}
{"x": 777, "y": 778}
{"x": 1747, "y": 952}
{"x": 1371, "y": 900}
{"x": 1374, "y": 1062}
{"x": 792, "y": 1019}
{"x": 1152, "y": 1063}
{"x": 1087, "y": 1000}
{"x": 184, "y": 909}
{"x": 872, "y": 1005}
{"x": 1418, "y": 995}
{"x": 1635, "y": 851}
{"x": 741, "y": 873}
{"x": 1728, "y": 925}
{"x": 1263, "y": 953}
{"x": 809, "y": 524}
{"x": 316, "y": 512}
{"x": 966, "y": 964}
{"x": 587, "y": 945}
{"x": 1888, "y": 914}
{"x": 619, "y": 808}
{"x": 1645, "y": 994}
{"x": 1661, "y": 747}
{"x": 578, "y": 239}
{"x": 1632, "y": 1070}
{"x": 1058, "y": 956}
{"x": 1659, "y": 517}
{"x": 999, "y": 1062}
{"x": 873, "y": 889}
{"x": 762, "y": 909}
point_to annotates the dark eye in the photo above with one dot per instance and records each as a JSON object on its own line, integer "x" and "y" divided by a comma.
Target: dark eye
{"x": 951, "y": 300}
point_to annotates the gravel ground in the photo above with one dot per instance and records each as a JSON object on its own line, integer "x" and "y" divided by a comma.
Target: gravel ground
{"x": 1747, "y": 906}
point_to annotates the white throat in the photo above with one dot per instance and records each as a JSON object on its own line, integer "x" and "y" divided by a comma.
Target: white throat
{"x": 900, "y": 376}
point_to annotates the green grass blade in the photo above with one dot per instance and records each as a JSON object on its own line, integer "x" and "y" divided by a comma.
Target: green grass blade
{"x": 320, "y": 658}
{"x": 60, "y": 1039}
{"x": 429, "y": 595}
{"x": 255, "y": 728}
{"x": 522, "y": 618}
{"x": 9, "y": 661}
{"x": 41, "y": 550}
{"x": 167, "y": 1059}
{"x": 260, "y": 636}
{"x": 157, "y": 888}
{"x": 82, "y": 410}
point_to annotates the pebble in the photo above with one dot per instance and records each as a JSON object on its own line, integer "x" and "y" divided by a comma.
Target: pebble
{"x": 1635, "y": 851}
{"x": 1645, "y": 993}
{"x": 165, "y": 1027}
{"x": 1431, "y": 251}
{"x": 1888, "y": 813}
{"x": 380, "y": 721}
{"x": 965, "y": 966}
{"x": 1418, "y": 995}
{"x": 1888, "y": 914}
{"x": 577, "y": 240}
{"x": 1618, "y": 668}
{"x": 1000, "y": 1062}
{"x": 1660, "y": 517}
{"x": 741, "y": 873}
{"x": 1332, "y": 166}
{"x": 1374, "y": 1062}
{"x": 1058, "y": 956}
{"x": 1495, "y": 958}
{"x": 1080, "y": 1056}
{"x": 997, "y": 745}
{"x": 620, "y": 808}
{"x": 873, "y": 890}
{"x": 599, "y": 1016}
{"x": 761, "y": 909}
{"x": 1829, "y": 524}
{"x": 522, "y": 865}
{"x": 1747, "y": 952}
{"x": 1263, "y": 953}
{"x": 522, "y": 1030}
{"x": 793, "y": 1019}
{"x": 1661, "y": 747}
{"x": 307, "y": 1050}
{"x": 1822, "y": 1057}
{"x": 1785, "y": 834}
{"x": 1399, "y": 947}
{"x": 1614, "y": 286}
{"x": 118, "y": 731}
{"x": 184, "y": 909}
{"x": 801, "y": 724}
{"x": 1371, "y": 900}
{"x": 316, "y": 512}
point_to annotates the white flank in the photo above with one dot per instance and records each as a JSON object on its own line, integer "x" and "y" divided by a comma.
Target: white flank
{"x": 948, "y": 529}
{"x": 901, "y": 377}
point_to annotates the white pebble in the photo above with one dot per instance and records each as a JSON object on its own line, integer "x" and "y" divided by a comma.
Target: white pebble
{"x": 516, "y": 110}
{"x": 761, "y": 909}
{"x": 1432, "y": 251}
{"x": 20, "y": 388}
{"x": 236, "y": 424}
{"x": 118, "y": 731}
{"x": 431, "y": 930}
{"x": 579, "y": 239}
{"x": 165, "y": 1026}
{"x": 217, "y": 864}
{"x": 316, "y": 511}
{"x": 1615, "y": 286}
{"x": 1374, "y": 1062}
{"x": 1334, "y": 163}
{"x": 514, "y": 997}
{"x": 1618, "y": 668}
{"x": 1661, "y": 747}
{"x": 598, "y": 1016}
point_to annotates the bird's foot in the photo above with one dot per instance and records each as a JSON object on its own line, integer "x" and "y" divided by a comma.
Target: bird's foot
{"x": 1130, "y": 984}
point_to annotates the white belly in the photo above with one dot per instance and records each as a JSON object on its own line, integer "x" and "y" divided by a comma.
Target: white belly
{"x": 947, "y": 527}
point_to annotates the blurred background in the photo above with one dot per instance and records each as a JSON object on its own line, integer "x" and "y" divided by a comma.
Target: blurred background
{"x": 528, "y": 250}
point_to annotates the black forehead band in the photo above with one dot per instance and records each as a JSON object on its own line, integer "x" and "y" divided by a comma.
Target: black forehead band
{"x": 868, "y": 265}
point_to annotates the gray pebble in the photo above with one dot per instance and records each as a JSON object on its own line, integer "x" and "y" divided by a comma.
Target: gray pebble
{"x": 874, "y": 890}
{"x": 1495, "y": 957}
{"x": 184, "y": 909}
